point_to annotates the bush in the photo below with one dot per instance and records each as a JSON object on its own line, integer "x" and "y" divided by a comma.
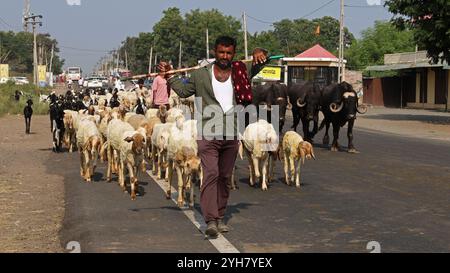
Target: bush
{"x": 8, "y": 104}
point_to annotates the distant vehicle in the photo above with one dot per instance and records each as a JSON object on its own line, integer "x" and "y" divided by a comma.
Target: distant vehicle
{"x": 73, "y": 73}
{"x": 20, "y": 80}
{"x": 95, "y": 82}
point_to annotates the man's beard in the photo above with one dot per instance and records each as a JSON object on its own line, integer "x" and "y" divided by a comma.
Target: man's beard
{"x": 224, "y": 64}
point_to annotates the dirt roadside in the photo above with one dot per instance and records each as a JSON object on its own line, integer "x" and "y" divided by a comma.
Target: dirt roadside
{"x": 31, "y": 201}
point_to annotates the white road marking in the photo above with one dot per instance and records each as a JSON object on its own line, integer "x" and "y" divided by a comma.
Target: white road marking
{"x": 220, "y": 243}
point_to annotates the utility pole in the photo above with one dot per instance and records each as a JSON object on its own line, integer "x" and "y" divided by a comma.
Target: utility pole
{"x": 207, "y": 44}
{"x": 150, "y": 61}
{"x": 341, "y": 44}
{"x": 245, "y": 35}
{"x": 179, "y": 57}
{"x": 32, "y": 20}
{"x": 26, "y": 13}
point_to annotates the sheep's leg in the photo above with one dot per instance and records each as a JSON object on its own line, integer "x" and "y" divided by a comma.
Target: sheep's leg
{"x": 351, "y": 148}
{"x": 122, "y": 176}
{"x": 116, "y": 161}
{"x": 292, "y": 165}
{"x": 297, "y": 174}
{"x": 82, "y": 172}
{"x": 256, "y": 168}
{"x": 133, "y": 180}
{"x": 110, "y": 162}
{"x": 88, "y": 165}
{"x": 326, "y": 138}
{"x": 264, "y": 171}
{"x": 170, "y": 175}
{"x": 154, "y": 160}
{"x": 159, "y": 166}
{"x": 286, "y": 168}
{"x": 180, "y": 201}
{"x": 191, "y": 195}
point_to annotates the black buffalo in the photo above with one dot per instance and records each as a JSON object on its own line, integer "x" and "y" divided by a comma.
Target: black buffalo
{"x": 339, "y": 105}
{"x": 305, "y": 99}
{"x": 271, "y": 94}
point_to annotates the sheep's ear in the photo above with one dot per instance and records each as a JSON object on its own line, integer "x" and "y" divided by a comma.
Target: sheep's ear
{"x": 128, "y": 139}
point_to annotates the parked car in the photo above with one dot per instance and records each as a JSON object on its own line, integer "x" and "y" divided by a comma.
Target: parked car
{"x": 20, "y": 80}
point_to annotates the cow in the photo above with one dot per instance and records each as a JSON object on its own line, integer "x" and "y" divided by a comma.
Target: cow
{"x": 339, "y": 105}
{"x": 269, "y": 94}
{"x": 305, "y": 99}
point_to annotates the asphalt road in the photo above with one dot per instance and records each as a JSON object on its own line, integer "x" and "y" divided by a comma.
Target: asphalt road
{"x": 396, "y": 192}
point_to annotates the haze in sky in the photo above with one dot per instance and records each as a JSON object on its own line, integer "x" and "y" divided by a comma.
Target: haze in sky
{"x": 101, "y": 25}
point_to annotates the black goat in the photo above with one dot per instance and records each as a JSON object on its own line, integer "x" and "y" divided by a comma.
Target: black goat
{"x": 28, "y": 112}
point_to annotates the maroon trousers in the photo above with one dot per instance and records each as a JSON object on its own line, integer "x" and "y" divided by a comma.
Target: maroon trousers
{"x": 217, "y": 159}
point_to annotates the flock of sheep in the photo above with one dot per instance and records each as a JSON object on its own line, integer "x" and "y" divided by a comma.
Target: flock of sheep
{"x": 168, "y": 141}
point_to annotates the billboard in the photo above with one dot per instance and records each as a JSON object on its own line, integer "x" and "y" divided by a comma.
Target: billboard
{"x": 42, "y": 70}
{"x": 270, "y": 73}
{"x": 4, "y": 71}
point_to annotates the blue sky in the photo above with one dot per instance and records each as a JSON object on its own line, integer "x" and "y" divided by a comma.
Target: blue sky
{"x": 101, "y": 25}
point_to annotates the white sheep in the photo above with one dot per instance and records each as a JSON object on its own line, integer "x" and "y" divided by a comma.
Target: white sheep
{"x": 182, "y": 154}
{"x": 130, "y": 145}
{"x": 89, "y": 143}
{"x": 160, "y": 140}
{"x": 259, "y": 142}
{"x": 295, "y": 150}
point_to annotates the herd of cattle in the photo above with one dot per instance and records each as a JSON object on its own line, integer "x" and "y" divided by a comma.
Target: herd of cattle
{"x": 116, "y": 129}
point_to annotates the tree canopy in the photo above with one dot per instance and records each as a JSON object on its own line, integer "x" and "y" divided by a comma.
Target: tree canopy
{"x": 382, "y": 39}
{"x": 16, "y": 49}
{"x": 430, "y": 21}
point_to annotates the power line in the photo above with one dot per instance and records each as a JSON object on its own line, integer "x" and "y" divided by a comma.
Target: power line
{"x": 306, "y": 15}
{"x": 6, "y": 24}
{"x": 258, "y": 20}
{"x": 319, "y": 8}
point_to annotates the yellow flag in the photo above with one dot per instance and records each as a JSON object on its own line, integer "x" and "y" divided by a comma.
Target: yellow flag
{"x": 317, "y": 33}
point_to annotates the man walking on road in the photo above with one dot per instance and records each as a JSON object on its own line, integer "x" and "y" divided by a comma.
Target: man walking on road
{"x": 221, "y": 85}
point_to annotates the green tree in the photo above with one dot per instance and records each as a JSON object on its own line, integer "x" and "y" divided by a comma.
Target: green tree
{"x": 382, "y": 39}
{"x": 431, "y": 22}
{"x": 194, "y": 37}
{"x": 16, "y": 49}
{"x": 168, "y": 33}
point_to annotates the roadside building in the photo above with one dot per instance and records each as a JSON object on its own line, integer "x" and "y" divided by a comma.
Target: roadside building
{"x": 314, "y": 64}
{"x": 418, "y": 83}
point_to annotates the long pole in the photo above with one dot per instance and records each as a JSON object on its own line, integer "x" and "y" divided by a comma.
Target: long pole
{"x": 245, "y": 35}
{"x": 207, "y": 44}
{"x": 150, "y": 61}
{"x": 179, "y": 57}
{"x": 341, "y": 43}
